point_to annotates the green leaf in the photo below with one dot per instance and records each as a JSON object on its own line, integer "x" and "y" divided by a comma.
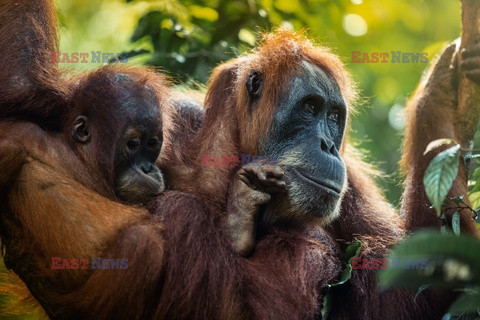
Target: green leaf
{"x": 474, "y": 199}
{"x": 353, "y": 250}
{"x": 466, "y": 303}
{"x": 456, "y": 223}
{"x": 440, "y": 174}
{"x": 476, "y": 177}
{"x": 420, "y": 290}
{"x": 327, "y": 304}
{"x": 452, "y": 261}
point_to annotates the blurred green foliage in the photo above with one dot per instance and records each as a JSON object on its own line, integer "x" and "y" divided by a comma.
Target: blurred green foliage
{"x": 452, "y": 257}
{"x": 187, "y": 38}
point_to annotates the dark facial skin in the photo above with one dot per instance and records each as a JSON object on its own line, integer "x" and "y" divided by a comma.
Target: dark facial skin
{"x": 137, "y": 178}
{"x": 133, "y": 127}
{"x": 306, "y": 134}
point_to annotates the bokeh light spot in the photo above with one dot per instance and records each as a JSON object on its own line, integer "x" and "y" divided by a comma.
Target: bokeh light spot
{"x": 354, "y": 25}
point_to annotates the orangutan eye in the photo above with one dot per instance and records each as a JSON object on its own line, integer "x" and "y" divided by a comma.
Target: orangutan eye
{"x": 312, "y": 106}
{"x": 334, "y": 116}
{"x": 133, "y": 144}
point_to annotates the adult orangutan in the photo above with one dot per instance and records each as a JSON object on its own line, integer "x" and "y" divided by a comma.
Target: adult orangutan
{"x": 59, "y": 182}
{"x": 306, "y": 123}
{"x": 247, "y": 93}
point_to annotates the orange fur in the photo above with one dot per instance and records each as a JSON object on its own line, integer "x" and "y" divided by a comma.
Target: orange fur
{"x": 180, "y": 264}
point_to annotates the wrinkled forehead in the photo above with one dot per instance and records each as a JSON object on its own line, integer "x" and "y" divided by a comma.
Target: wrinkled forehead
{"x": 311, "y": 79}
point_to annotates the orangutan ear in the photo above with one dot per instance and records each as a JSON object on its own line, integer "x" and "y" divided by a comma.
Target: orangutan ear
{"x": 254, "y": 84}
{"x": 80, "y": 132}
